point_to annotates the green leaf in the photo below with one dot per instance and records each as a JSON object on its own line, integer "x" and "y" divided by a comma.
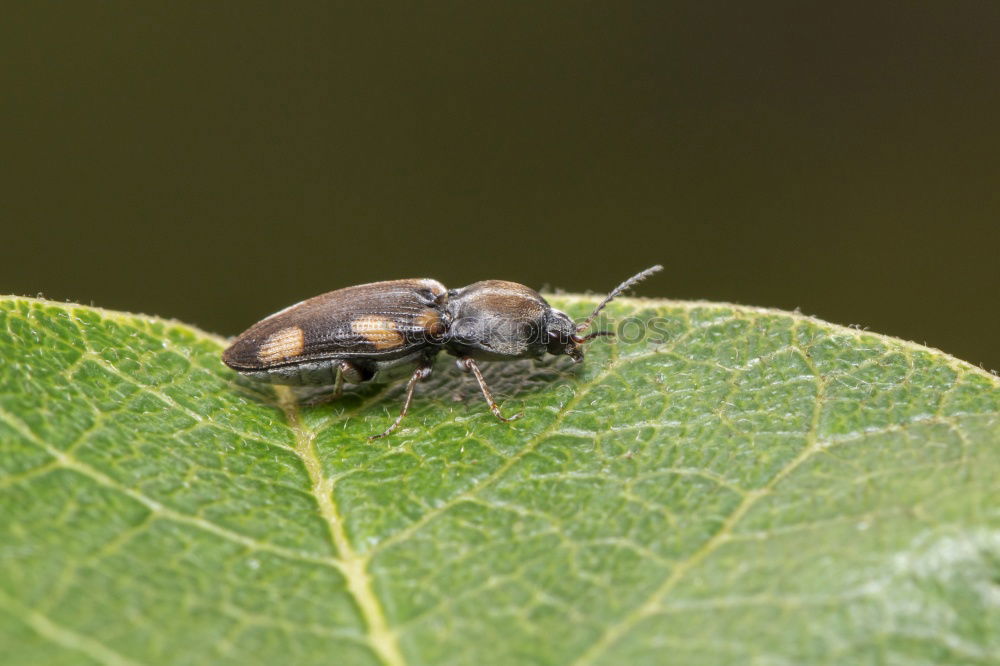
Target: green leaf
{"x": 739, "y": 486}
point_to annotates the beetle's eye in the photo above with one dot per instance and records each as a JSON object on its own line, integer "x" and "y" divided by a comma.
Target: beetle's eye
{"x": 559, "y": 337}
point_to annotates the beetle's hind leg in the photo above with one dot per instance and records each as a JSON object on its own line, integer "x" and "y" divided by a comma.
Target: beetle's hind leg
{"x": 422, "y": 372}
{"x": 350, "y": 372}
{"x": 469, "y": 365}
{"x": 344, "y": 370}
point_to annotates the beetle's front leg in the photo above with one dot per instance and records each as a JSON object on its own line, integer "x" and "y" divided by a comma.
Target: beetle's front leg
{"x": 422, "y": 372}
{"x": 468, "y": 364}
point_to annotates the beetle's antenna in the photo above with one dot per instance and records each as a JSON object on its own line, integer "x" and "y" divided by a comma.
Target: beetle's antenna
{"x": 638, "y": 277}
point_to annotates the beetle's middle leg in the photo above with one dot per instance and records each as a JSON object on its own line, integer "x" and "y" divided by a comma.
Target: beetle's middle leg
{"x": 423, "y": 371}
{"x": 469, "y": 365}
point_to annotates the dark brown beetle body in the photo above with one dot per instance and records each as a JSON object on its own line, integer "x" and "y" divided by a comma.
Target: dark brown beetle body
{"x": 372, "y": 327}
{"x": 356, "y": 333}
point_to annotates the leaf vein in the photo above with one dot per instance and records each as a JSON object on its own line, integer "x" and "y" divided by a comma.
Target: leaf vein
{"x": 68, "y": 462}
{"x": 66, "y": 638}
{"x": 650, "y": 606}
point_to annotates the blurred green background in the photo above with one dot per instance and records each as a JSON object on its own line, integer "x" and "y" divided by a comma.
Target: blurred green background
{"x": 215, "y": 162}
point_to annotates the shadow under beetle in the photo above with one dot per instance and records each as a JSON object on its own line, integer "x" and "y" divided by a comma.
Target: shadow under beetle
{"x": 358, "y": 333}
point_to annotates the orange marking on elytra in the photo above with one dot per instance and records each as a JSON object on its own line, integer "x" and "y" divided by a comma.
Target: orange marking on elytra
{"x": 283, "y": 344}
{"x": 379, "y": 331}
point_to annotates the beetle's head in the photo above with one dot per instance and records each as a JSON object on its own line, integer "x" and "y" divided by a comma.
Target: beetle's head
{"x": 565, "y": 334}
{"x": 564, "y": 338}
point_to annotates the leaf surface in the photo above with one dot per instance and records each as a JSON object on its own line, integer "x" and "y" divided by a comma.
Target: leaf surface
{"x": 737, "y": 486}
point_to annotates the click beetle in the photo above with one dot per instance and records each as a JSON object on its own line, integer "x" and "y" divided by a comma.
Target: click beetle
{"x": 359, "y": 334}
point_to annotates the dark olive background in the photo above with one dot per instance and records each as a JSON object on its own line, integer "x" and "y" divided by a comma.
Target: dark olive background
{"x": 214, "y": 162}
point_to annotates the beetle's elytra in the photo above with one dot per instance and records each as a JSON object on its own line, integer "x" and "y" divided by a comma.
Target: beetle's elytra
{"x": 356, "y": 333}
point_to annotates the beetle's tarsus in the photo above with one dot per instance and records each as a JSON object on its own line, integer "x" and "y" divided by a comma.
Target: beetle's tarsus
{"x": 506, "y": 419}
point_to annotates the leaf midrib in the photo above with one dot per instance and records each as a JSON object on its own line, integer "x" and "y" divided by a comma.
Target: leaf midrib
{"x": 353, "y": 567}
